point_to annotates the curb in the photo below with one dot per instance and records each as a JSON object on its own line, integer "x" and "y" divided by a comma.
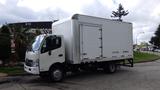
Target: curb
{"x": 147, "y": 60}
{"x": 7, "y": 75}
{"x": 3, "y": 74}
{"x": 21, "y": 74}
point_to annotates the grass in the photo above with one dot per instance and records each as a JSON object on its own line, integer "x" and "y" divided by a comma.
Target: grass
{"x": 144, "y": 57}
{"x": 12, "y": 70}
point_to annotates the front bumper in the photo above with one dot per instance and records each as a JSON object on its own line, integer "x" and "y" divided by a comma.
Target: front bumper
{"x": 32, "y": 70}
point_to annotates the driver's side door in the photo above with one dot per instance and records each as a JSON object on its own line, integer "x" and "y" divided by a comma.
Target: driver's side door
{"x": 51, "y": 52}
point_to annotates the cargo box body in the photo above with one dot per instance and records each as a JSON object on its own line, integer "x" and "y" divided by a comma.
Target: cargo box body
{"x": 94, "y": 39}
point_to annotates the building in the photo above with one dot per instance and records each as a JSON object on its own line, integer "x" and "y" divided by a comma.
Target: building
{"x": 42, "y": 26}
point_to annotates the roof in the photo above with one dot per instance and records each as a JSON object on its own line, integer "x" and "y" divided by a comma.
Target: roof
{"x": 37, "y": 24}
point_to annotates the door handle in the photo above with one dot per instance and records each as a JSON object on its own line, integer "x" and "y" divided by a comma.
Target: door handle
{"x": 60, "y": 55}
{"x": 84, "y": 54}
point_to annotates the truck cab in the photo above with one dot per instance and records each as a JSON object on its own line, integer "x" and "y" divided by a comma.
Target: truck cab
{"x": 44, "y": 51}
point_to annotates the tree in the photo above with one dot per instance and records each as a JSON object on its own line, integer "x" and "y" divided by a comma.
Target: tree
{"x": 119, "y": 13}
{"x": 22, "y": 38}
{"x": 37, "y": 32}
{"x": 5, "y": 30}
{"x": 155, "y": 40}
{"x": 5, "y": 44}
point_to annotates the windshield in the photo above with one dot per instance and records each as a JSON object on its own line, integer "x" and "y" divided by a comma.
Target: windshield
{"x": 35, "y": 43}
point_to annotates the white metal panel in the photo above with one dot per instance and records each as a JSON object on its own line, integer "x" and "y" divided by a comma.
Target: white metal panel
{"x": 65, "y": 28}
{"x": 70, "y": 30}
{"x": 117, "y": 40}
{"x": 90, "y": 42}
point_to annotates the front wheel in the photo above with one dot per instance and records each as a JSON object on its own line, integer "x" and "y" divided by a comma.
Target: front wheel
{"x": 56, "y": 74}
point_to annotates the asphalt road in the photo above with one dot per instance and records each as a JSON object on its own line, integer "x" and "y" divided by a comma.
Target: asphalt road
{"x": 143, "y": 76}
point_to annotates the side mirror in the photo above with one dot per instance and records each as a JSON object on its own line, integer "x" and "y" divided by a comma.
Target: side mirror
{"x": 44, "y": 46}
{"x": 43, "y": 49}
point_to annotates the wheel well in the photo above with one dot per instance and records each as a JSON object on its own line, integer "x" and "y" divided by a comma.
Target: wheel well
{"x": 56, "y": 65}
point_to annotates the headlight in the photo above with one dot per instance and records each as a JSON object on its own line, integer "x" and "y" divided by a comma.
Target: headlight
{"x": 35, "y": 63}
{"x": 31, "y": 63}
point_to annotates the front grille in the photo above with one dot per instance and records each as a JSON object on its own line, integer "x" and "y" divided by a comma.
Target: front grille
{"x": 28, "y": 62}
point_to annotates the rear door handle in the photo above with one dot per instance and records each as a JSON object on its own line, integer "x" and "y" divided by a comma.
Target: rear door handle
{"x": 60, "y": 55}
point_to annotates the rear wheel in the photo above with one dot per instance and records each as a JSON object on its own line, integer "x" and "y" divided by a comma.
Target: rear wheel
{"x": 56, "y": 74}
{"x": 110, "y": 67}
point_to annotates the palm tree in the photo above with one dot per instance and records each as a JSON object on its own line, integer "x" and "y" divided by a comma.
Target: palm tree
{"x": 20, "y": 37}
{"x": 12, "y": 33}
{"x": 5, "y": 44}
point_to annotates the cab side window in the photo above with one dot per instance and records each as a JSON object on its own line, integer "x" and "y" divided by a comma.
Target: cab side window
{"x": 51, "y": 43}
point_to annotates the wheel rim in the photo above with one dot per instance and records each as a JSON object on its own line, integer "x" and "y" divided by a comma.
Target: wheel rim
{"x": 57, "y": 75}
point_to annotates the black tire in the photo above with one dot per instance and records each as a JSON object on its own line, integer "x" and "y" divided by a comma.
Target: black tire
{"x": 56, "y": 74}
{"x": 110, "y": 67}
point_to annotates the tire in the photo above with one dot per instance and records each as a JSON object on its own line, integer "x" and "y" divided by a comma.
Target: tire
{"x": 56, "y": 74}
{"x": 110, "y": 67}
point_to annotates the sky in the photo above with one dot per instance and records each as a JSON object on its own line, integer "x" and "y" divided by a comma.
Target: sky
{"x": 144, "y": 14}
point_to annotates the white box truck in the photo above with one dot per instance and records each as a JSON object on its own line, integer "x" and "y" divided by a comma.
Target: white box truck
{"x": 80, "y": 43}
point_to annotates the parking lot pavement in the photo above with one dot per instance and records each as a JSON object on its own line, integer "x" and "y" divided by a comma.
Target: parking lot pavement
{"x": 143, "y": 76}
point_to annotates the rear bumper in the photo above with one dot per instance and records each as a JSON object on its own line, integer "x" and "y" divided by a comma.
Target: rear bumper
{"x": 32, "y": 70}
